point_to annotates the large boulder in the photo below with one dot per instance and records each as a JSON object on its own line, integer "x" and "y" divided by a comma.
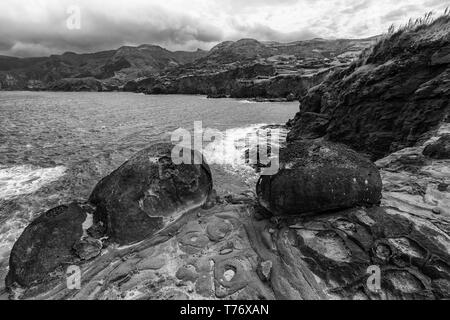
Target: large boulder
{"x": 149, "y": 191}
{"x": 319, "y": 176}
{"x": 46, "y": 245}
{"x": 440, "y": 149}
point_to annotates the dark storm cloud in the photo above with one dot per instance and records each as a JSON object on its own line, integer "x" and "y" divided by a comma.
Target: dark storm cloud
{"x": 101, "y": 30}
{"x": 38, "y": 27}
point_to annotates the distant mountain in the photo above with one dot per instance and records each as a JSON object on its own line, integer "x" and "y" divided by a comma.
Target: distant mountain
{"x": 251, "y": 69}
{"x": 153, "y": 69}
{"x": 111, "y": 67}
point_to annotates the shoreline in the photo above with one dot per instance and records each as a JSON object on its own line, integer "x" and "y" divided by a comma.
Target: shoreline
{"x": 249, "y": 99}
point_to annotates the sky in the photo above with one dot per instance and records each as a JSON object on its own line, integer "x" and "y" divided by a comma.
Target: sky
{"x": 44, "y": 27}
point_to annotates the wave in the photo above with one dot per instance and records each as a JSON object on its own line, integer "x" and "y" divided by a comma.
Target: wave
{"x": 26, "y": 179}
{"x": 232, "y": 148}
{"x": 14, "y": 182}
{"x": 248, "y": 101}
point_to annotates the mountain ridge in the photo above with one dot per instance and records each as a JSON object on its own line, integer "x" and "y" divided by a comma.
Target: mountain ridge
{"x": 111, "y": 70}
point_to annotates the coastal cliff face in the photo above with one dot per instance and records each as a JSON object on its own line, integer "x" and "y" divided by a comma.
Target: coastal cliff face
{"x": 243, "y": 69}
{"x": 396, "y": 92}
{"x": 255, "y": 81}
{"x": 251, "y": 69}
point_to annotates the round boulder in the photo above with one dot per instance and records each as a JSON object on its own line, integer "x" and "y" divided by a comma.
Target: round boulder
{"x": 319, "y": 176}
{"x": 149, "y": 191}
{"x": 46, "y": 245}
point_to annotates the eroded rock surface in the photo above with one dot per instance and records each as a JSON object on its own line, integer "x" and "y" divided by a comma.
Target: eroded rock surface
{"x": 235, "y": 249}
{"x": 307, "y": 257}
{"x": 238, "y": 251}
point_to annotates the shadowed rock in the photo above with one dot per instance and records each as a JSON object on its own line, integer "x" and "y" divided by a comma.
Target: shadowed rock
{"x": 388, "y": 99}
{"x": 439, "y": 149}
{"x": 319, "y": 176}
{"x": 147, "y": 192}
{"x": 46, "y": 245}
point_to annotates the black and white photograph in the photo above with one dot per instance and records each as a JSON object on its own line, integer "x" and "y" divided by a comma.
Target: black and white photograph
{"x": 222, "y": 155}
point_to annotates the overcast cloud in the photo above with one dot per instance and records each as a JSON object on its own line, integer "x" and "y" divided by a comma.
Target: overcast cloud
{"x": 38, "y": 27}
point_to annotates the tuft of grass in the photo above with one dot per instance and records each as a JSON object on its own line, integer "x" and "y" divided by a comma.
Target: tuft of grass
{"x": 393, "y": 34}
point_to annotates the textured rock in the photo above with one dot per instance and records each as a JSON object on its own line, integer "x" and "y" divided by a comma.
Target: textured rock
{"x": 264, "y": 270}
{"x": 130, "y": 86}
{"x": 147, "y": 192}
{"x": 46, "y": 245}
{"x": 323, "y": 256}
{"x": 310, "y": 257}
{"x": 388, "y": 99}
{"x": 88, "y": 248}
{"x": 187, "y": 273}
{"x": 439, "y": 149}
{"x": 218, "y": 229}
{"x": 341, "y": 247}
{"x": 319, "y": 176}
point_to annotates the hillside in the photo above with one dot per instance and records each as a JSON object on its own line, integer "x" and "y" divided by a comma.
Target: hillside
{"x": 107, "y": 69}
{"x": 249, "y": 68}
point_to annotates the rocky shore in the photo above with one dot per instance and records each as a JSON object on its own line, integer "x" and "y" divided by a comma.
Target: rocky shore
{"x": 244, "y": 246}
{"x": 156, "y": 230}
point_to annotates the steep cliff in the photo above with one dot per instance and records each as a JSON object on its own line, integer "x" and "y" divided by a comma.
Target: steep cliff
{"x": 397, "y": 91}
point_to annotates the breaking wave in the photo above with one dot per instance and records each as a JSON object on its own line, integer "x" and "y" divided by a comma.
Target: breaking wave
{"x": 26, "y": 179}
{"x": 233, "y": 147}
